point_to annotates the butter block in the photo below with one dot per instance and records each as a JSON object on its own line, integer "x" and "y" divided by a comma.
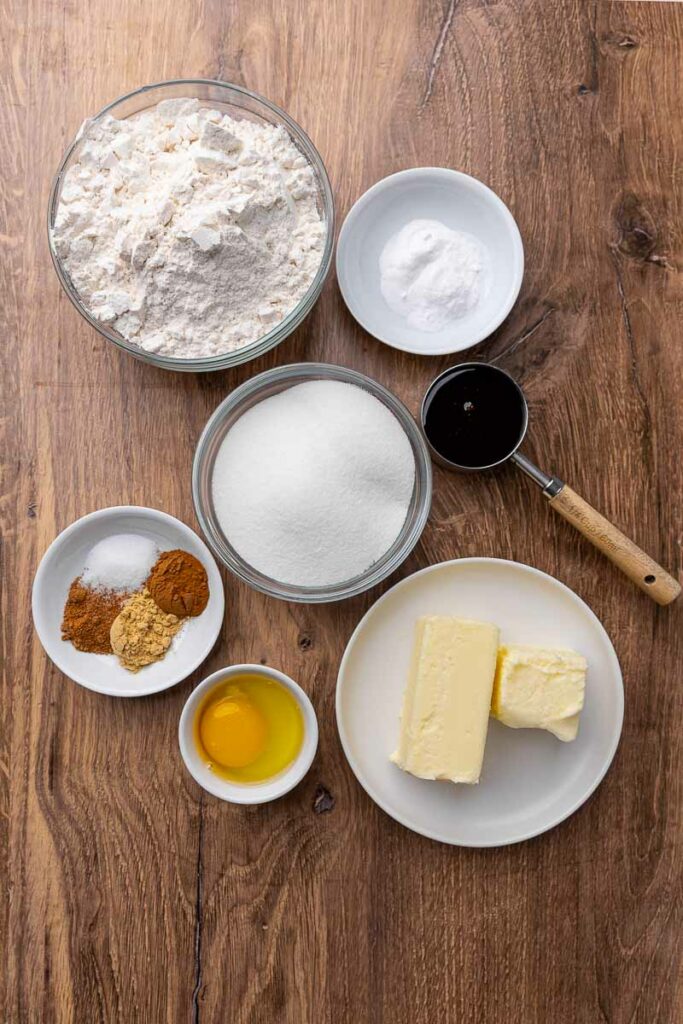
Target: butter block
{"x": 539, "y": 688}
{"x": 446, "y": 704}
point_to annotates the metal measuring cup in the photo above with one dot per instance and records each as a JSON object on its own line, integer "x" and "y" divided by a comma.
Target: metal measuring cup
{"x": 635, "y": 563}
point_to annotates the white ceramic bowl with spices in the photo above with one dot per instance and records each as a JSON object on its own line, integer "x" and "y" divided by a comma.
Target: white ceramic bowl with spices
{"x": 65, "y": 559}
{"x": 257, "y": 390}
{"x": 251, "y": 792}
{"x": 239, "y": 103}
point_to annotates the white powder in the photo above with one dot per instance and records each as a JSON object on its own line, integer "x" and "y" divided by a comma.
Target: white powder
{"x": 431, "y": 275}
{"x": 190, "y": 233}
{"x": 313, "y": 485}
{"x": 121, "y": 562}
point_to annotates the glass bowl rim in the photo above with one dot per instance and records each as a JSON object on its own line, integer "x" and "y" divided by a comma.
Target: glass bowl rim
{"x": 422, "y": 492}
{"x": 280, "y": 331}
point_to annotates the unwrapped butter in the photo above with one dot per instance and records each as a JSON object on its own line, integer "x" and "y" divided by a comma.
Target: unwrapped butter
{"x": 539, "y": 688}
{"x": 446, "y": 704}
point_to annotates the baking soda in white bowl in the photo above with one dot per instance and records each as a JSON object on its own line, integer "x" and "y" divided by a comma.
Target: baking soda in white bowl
{"x": 431, "y": 275}
{"x": 395, "y": 282}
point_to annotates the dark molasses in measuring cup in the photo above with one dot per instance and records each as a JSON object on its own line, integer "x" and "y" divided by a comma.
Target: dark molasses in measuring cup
{"x": 474, "y": 416}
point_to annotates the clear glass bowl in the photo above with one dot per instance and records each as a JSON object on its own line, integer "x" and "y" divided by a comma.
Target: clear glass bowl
{"x": 238, "y": 103}
{"x": 263, "y": 386}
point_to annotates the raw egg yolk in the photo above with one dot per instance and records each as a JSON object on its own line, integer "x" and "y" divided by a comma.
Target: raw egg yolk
{"x": 233, "y": 732}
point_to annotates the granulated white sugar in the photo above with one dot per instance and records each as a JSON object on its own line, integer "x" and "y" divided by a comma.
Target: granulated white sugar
{"x": 121, "y": 562}
{"x": 312, "y": 486}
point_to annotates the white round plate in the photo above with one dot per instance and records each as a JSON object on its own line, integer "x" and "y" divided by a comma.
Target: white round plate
{"x": 460, "y": 202}
{"x": 530, "y": 781}
{"x": 63, "y": 562}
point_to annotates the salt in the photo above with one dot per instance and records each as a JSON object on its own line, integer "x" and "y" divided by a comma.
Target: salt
{"x": 121, "y": 563}
{"x": 430, "y": 274}
{"x": 313, "y": 485}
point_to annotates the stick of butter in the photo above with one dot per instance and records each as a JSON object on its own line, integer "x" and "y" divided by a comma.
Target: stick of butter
{"x": 539, "y": 688}
{"x": 446, "y": 704}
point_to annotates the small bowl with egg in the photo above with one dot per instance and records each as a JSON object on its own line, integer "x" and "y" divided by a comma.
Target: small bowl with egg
{"x": 248, "y": 734}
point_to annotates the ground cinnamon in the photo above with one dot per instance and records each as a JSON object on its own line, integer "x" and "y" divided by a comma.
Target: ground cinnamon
{"x": 88, "y": 617}
{"x": 179, "y": 584}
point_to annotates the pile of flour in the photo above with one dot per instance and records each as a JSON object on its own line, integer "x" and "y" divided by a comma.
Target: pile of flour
{"x": 190, "y": 233}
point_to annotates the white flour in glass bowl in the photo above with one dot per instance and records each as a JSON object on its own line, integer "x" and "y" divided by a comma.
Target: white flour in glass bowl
{"x": 190, "y": 233}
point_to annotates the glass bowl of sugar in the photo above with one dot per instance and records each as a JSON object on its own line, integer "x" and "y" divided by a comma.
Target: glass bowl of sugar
{"x": 191, "y": 223}
{"x": 312, "y": 482}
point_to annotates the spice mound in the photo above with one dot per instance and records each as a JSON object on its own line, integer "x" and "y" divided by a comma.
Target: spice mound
{"x": 179, "y": 584}
{"x": 142, "y": 632}
{"x": 121, "y": 562}
{"x": 88, "y": 617}
{"x": 131, "y": 601}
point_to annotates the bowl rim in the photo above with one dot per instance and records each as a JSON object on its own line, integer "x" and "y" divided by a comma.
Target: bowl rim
{"x": 282, "y": 329}
{"x": 461, "y": 179}
{"x": 51, "y": 649}
{"x": 252, "y": 792}
{"x": 380, "y": 570}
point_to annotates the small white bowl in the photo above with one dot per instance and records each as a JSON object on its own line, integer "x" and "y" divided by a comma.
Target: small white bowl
{"x": 461, "y": 203}
{"x": 64, "y": 561}
{"x": 252, "y": 792}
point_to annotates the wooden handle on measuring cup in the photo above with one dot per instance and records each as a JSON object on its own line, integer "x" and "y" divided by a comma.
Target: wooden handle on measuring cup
{"x": 638, "y": 566}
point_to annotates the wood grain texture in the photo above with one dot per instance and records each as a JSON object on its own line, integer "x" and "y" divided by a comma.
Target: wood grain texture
{"x": 130, "y": 896}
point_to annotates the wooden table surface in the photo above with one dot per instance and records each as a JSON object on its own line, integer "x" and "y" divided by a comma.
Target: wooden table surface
{"x": 129, "y": 894}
